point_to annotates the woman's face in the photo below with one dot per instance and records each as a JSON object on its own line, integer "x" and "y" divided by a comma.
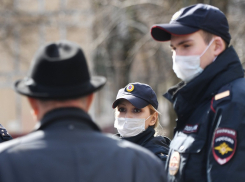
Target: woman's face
{"x": 126, "y": 110}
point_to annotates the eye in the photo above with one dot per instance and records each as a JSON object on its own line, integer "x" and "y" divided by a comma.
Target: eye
{"x": 136, "y": 110}
{"x": 121, "y": 109}
{"x": 186, "y": 45}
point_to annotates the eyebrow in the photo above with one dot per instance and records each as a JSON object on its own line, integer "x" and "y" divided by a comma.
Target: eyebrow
{"x": 182, "y": 42}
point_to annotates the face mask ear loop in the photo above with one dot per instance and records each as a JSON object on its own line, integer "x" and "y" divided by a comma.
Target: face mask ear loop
{"x": 148, "y": 117}
{"x": 207, "y": 47}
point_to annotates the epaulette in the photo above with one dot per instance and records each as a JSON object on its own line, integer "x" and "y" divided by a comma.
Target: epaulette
{"x": 224, "y": 94}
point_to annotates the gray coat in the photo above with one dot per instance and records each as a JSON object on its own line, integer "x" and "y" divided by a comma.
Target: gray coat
{"x": 69, "y": 147}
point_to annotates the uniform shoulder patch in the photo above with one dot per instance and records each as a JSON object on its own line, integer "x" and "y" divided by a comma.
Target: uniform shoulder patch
{"x": 224, "y": 144}
{"x": 222, "y": 95}
{"x": 191, "y": 128}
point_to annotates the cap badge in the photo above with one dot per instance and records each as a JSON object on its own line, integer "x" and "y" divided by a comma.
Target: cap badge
{"x": 174, "y": 163}
{"x": 130, "y": 88}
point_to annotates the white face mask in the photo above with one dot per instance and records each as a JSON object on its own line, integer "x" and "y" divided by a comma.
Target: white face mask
{"x": 188, "y": 67}
{"x": 128, "y": 127}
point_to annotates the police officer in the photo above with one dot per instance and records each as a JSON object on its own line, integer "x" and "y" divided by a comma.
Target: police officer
{"x": 208, "y": 143}
{"x": 137, "y": 120}
{"x": 67, "y": 145}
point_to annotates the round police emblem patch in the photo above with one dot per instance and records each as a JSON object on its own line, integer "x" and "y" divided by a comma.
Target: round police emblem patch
{"x": 174, "y": 163}
{"x": 224, "y": 144}
{"x": 130, "y": 88}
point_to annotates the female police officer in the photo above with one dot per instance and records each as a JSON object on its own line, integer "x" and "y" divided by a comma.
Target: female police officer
{"x": 136, "y": 118}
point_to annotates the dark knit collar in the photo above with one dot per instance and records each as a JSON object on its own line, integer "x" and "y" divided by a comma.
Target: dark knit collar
{"x": 66, "y": 114}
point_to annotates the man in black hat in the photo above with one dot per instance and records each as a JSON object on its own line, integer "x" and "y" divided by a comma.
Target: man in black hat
{"x": 208, "y": 143}
{"x": 67, "y": 145}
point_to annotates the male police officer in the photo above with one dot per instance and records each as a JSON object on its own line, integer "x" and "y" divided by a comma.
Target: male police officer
{"x": 67, "y": 145}
{"x": 208, "y": 144}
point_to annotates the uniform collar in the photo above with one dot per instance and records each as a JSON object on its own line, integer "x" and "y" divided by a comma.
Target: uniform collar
{"x": 143, "y": 137}
{"x": 66, "y": 114}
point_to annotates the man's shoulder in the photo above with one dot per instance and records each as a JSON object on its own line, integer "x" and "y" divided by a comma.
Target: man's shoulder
{"x": 233, "y": 92}
{"x": 106, "y": 143}
{"x": 18, "y": 143}
{"x": 238, "y": 86}
{"x": 96, "y": 147}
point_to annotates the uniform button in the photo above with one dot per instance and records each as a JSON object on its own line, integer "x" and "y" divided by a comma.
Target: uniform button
{"x": 2, "y": 131}
{"x": 182, "y": 148}
{"x": 3, "y": 134}
{"x": 71, "y": 127}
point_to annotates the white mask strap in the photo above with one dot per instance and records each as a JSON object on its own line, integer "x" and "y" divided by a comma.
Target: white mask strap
{"x": 207, "y": 47}
{"x": 148, "y": 117}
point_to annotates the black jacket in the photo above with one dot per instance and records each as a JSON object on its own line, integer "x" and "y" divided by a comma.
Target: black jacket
{"x": 159, "y": 145}
{"x": 210, "y": 130}
{"x": 69, "y": 147}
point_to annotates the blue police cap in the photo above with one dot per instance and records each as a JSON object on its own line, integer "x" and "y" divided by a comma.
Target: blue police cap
{"x": 191, "y": 19}
{"x": 138, "y": 94}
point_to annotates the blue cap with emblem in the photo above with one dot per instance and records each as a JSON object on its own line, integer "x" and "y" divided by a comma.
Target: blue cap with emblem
{"x": 138, "y": 94}
{"x": 191, "y": 19}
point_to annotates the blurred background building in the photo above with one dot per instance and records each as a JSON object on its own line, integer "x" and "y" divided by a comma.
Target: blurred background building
{"x": 115, "y": 36}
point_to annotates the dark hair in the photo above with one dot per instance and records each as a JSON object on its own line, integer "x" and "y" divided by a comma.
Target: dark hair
{"x": 207, "y": 37}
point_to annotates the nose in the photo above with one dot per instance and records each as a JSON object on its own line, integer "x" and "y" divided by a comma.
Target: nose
{"x": 128, "y": 115}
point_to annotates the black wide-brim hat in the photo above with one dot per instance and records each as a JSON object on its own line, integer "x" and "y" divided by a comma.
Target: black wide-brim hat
{"x": 59, "y": 71}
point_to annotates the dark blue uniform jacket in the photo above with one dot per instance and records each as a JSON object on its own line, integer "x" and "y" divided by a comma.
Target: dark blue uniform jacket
{"x": 210, "y": 129}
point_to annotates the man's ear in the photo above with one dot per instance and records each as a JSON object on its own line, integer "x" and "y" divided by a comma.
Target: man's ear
{"x": 153, "y": 119}
{"x": 34, "y": 106}
{"x": 219, "y": 44}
